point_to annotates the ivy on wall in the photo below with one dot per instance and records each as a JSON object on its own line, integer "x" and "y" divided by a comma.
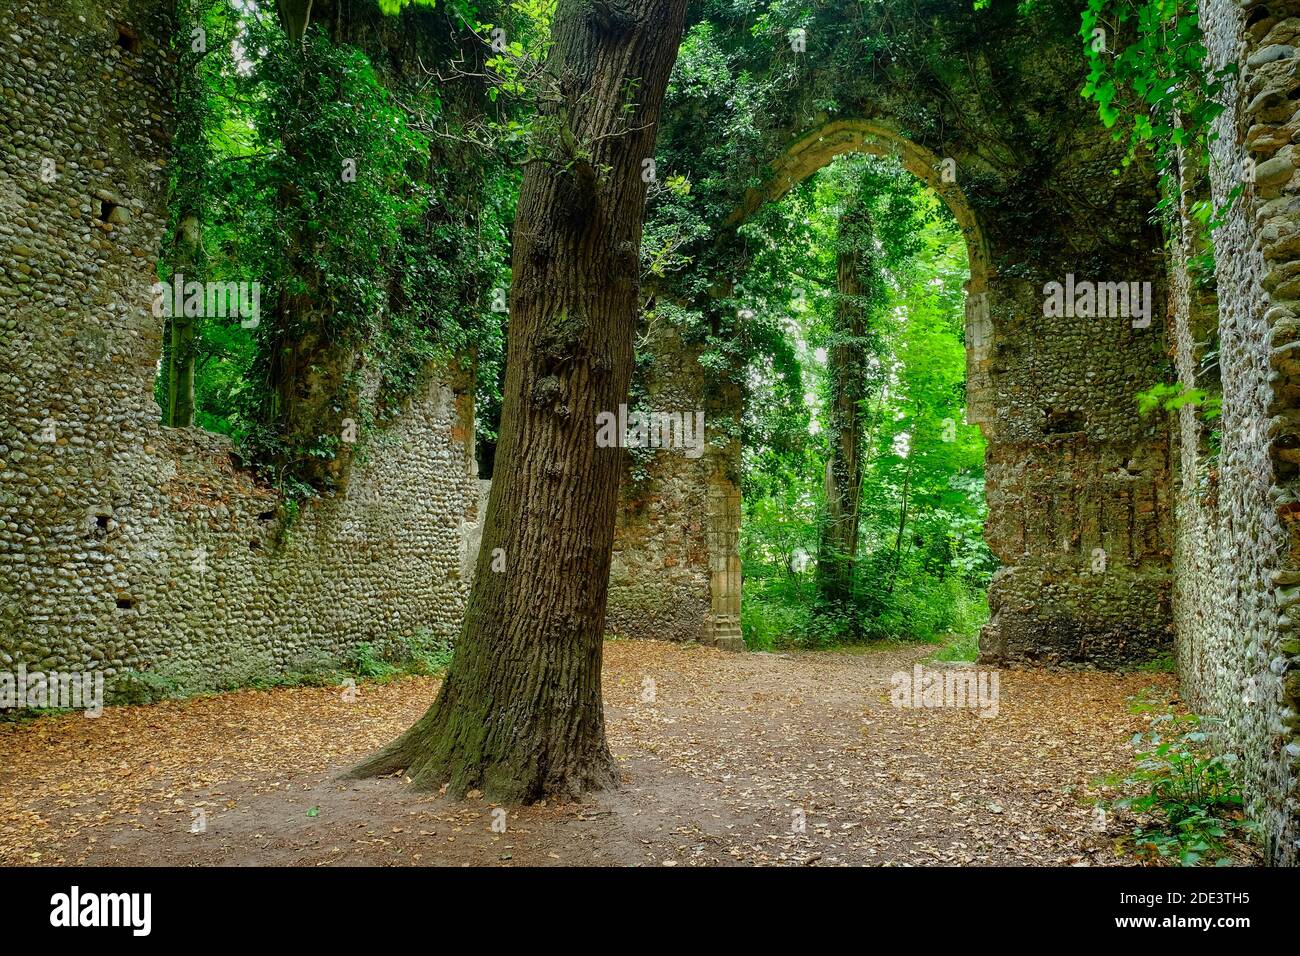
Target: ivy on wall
{"x": 330, "y": 184}
{"x": 1148, "y": 75}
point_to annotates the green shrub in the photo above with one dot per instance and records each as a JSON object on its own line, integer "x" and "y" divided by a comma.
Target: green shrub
{"x": 779, "y": 610}
{"x": 1164, "y": 664}
{"x": 427, "y": 653}
{"x": 1188, "y": 798}
{"x": 312, "y": 668}
{"x": 963, "y": 647}
{"x": 255, "y": 668}
{"x": 768, "y": 624}
{"x": 367, "y": 662}
{"x": 146, "y": 687}
{"x": 424, "y": 652}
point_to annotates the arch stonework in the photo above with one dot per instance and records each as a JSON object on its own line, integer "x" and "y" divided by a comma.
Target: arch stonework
{"x": 1080, "y": 507}
{"x": 1078, "y": 484}
{"x": 814, "y": 150}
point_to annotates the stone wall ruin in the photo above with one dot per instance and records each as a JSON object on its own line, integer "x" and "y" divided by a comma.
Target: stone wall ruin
{"x": 126, "y": 546}
{"x": 675, "y": 573}
{"x": 1237, "y": 548}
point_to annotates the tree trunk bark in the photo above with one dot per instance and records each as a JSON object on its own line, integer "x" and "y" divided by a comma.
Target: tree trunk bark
{"x": 520, "y": 714}
{"x": 182, "y": 332}
{"x": 902, "y": 526}
{"x": 307, "y": 369}
{"x": 187, "y": 201}
{"x": 847, "y": 369}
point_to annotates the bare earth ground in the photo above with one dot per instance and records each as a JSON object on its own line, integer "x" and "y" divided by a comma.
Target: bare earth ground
{"x": 714, "y": 771}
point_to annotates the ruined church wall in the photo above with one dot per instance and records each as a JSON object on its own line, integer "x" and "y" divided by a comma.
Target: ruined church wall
{"x": 1237, "y": 555}
{"x": 1078, "y": 485}
{"x": 125, "y": 546}
{"x": 676, "y": 549}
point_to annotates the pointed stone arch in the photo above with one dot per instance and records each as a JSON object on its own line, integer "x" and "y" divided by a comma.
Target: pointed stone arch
{"x": 808, "y": 153}
{"x": 813, "y": 150}
{"x": 1076, "y": 480}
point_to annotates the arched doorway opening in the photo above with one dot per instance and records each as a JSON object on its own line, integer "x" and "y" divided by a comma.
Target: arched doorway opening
{"x": 863, "y": 490}
{"x": 1078, "y": 484}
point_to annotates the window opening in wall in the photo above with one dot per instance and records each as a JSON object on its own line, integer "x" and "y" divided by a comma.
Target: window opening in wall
{"x": 128, "y": 39}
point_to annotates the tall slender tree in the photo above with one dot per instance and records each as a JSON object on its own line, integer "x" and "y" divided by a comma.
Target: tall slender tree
{"x": 860, "y": 289}
{"x": 520, "y": 715}
{"x": 188, "y": 197}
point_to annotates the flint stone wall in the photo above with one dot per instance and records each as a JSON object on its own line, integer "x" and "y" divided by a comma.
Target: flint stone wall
{"x": 125, "y": 545}
{"x": 1237, "y": 557}
{"x": 673, "y": 546}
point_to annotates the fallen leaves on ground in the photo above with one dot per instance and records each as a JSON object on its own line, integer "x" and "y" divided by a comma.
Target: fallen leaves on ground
{"x": 794, "y": 759}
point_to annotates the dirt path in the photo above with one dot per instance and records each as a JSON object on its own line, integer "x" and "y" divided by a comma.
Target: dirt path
{"x": 732, "y": 754}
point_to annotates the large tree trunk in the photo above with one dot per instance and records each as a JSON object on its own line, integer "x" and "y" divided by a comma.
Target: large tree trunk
{"x": 856, "y": 279}
{"x": 520, "y": 714}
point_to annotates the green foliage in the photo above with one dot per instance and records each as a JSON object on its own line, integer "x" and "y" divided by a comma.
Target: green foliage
{"x": 21, "y": 715}
{"x": 333, "y": 187}
{"x": 425, "y": 653}
{"x": 1164, "y": 664}
{"x": 1146, "y": 73}
{"x": 1188, "y": 799}
{"x": 145, "y": 687}
{"x": 965, "y": 647}
{"x": 1171, "y": 396}
{"x": 422, "y": 653}
{"x": 366, "y": 662}
{"x": 922, "y": 561}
